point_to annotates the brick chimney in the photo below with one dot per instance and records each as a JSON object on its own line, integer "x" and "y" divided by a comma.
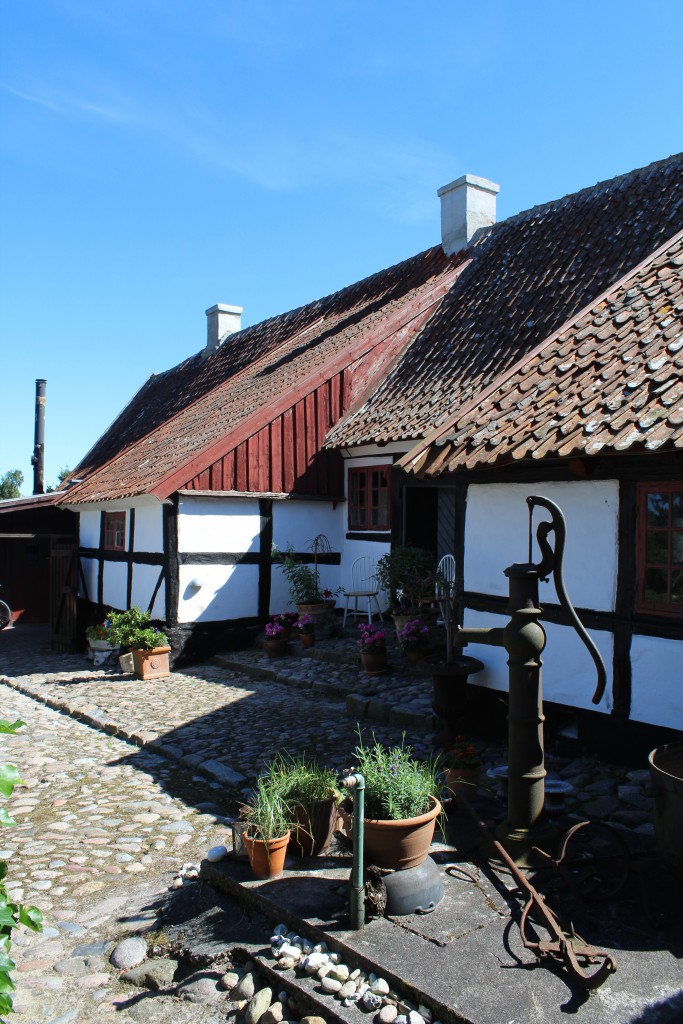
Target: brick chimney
{"x": 467, "y": 205}
{"x": 221, "y": 320}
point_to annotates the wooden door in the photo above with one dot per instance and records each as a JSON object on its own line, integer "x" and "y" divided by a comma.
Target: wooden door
{"x": 63, "y": 594}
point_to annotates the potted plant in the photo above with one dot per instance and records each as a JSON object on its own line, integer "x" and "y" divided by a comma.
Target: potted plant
{"x": 414, "y": 639}
{"x": 275, "y": 640}
{"x": 101, "y": 649}
{"x": 461, "y": 766}
{"x": 149, "y": 647}
{"x": 304, "y": 585}
{"x": 287, "y": 621}
{"x": 401, "y": 804}
{"x": 330, "y": 597}
{"x": 407, "y": 575}
{"x": 310, "y": 792}
{"x": 449, "y": 674}
{"x": 268, "y": 831}
{"x": 305, "y": 627}
{"x": 373, "y": 649}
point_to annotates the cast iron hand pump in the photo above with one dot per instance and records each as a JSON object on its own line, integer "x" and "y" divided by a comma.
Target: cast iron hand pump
{"x": 524, "y": 640}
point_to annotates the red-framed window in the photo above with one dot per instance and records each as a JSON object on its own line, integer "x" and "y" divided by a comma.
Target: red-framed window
{"x": 370, "y": 498}
{"x": 659, "y": 583}
{"x": 114, "y": 531}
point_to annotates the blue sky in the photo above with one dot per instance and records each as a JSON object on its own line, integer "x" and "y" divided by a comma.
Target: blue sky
{"x": 158, "y": 156}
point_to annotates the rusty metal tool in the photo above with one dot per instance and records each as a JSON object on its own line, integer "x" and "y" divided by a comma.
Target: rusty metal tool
{"x": 564, "y": 947}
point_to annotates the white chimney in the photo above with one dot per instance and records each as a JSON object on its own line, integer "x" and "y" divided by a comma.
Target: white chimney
{"x": 221, "y": 320}
{"x": 467, "y": 205}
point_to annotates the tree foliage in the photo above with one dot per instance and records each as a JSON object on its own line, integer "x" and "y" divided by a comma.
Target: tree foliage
{"x": 10, "y": 484}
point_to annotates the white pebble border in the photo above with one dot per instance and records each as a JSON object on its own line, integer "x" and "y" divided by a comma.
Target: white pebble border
{"x": 368, "y": 991}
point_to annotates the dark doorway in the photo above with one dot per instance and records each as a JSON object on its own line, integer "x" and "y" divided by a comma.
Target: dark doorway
{"x": 421, "y": 517}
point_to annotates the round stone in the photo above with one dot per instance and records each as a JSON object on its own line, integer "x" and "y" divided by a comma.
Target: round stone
{"x": 129, "y": 953}
{"x": 370, "y": 1001}
{"x": 257, "y": 1005}
{"x": 330, "y": 984}
{"x": 285, "y": 963}
{"x": 380, "y": 987}
{"x": 217, "y": 853}
{"x": 388, "y": 1014}
{"x": 245, "y": 988}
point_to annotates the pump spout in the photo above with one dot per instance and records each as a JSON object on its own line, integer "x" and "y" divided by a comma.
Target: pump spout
{"x": 491, "y": 635}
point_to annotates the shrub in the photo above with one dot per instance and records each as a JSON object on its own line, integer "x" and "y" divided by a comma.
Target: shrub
{"x": 397, "y": 785}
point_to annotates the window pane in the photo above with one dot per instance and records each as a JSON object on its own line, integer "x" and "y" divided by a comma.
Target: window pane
{"x": 656, "y": 591}
{"x": 677, "y": 510}
{"x": 657, "y": 509}
{"x": 677, "y": 547}
{"x": 657, "y": 547}
{"x": 677, "y": 587}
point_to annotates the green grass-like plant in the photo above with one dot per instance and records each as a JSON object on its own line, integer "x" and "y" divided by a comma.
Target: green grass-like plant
{"x": 268, "y": 813}
{"x": 301, "y": 781}
{"x": 397, "y": 785}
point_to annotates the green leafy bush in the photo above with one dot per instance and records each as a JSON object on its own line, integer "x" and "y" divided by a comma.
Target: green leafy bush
{"x": 407, "y": 574}
{"x": 131, "y": 629}
{"x": 11, "y": 914}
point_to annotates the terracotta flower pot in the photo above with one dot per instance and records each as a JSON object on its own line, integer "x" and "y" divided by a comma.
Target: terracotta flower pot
{"x": 414, "y": 655}
{"x": 401, "y": 844}
{"x": 151, "y": 664}
{"x": 314, "y": 833}
{"x": 375, "y": 662}
{"x": 275, "y": 647}
{"x": 307, "y": 639}
{"x": 267, "y": 859}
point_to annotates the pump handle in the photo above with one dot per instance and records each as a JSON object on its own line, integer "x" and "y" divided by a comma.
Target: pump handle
{"x": 552, "y": 561}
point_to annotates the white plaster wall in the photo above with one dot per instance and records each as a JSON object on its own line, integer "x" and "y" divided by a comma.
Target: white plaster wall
{"x": 296, "y": 523}
{"x": 115, "y": 585}
{"x": 149, "y": 530}
{"x": 657, "y": 681}
{"x": 89, "y": 529}
{"x": 144, "y": 581}
{"x": 569, "y": 675}
{"x": 226, "y": 592}
{"x": 90, "y": 569}
{"x": 496, "y": 531}
{"x": 218, "y": 524}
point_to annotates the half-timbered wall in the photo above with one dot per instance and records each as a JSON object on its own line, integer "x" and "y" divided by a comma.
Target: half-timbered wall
{"x": 121, "y": 579}
{"x": 644, "y": 675}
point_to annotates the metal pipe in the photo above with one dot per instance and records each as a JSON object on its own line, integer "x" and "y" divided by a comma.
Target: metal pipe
{"x": 38, "y": 457}
{"x": 356, "y": 782}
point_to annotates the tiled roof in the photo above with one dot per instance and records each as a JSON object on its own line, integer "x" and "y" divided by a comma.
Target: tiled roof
{"x": 202, "y": 404}
{"x": 527, "y": 277}
{"x": 613, "y": 379}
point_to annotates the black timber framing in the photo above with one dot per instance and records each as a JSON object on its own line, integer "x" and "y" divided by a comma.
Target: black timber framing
{"x": 265, "y": 561}
{"x": 171, "y": 562}
{"x": 626, "y": 470}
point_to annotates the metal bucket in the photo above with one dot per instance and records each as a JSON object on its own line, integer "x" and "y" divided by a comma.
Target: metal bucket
{"x": 666, "y": 771}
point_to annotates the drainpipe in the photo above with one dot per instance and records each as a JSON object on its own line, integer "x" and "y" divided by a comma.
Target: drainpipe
{"x": 38, "y": 457}
{"x": 357, "y": 889}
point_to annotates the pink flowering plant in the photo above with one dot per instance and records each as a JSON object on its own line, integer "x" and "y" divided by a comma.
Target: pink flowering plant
{"x": 414, "y": 636}
{"x": 275, "y": 631}
{"x": 285, "y": 619}
{"x": 305, "y": 624}
{"x": 372, "y": 638}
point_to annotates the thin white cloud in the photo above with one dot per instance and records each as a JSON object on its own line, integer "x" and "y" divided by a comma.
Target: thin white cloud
{"x": 65, "y": 105}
